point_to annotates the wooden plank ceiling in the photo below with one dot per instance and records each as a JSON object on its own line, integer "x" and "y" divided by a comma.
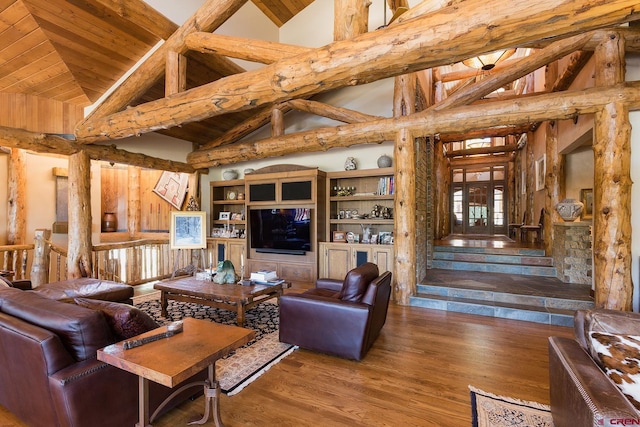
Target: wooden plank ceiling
{"x": 74, "y": 50}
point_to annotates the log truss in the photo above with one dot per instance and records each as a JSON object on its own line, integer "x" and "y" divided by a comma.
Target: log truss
{"x": 426, "y": 37}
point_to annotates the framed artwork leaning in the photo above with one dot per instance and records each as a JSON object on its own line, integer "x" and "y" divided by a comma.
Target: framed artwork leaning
{"x": 188, "y": 230}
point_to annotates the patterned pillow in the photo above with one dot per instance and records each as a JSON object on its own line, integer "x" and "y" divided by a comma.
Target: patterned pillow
{"x": 619, "y": 357}
{"x": 125, "y": 320}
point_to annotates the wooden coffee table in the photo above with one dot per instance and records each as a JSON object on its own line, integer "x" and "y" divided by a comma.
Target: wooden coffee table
{"x": 232, "y": 297}
{"x": 169, "y": 361}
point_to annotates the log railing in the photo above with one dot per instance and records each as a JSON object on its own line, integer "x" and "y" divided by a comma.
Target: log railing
{"x": 57, "y": 263}
{"x": 132, "y": 262}
{"x": 139, "y": 261}
{"x": 17, "y": 259}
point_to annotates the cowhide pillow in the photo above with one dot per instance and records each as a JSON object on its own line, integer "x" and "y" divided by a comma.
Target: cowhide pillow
{"x": 619, "y": 357}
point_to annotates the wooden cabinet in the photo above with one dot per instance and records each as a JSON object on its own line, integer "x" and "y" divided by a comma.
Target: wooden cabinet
{"x": 228, "y": 209}
{"x": 359, "y": 201}
{"x": 336, "y": 259}
{"x": 233, "y": 250}
{"x": 296, "y": 193}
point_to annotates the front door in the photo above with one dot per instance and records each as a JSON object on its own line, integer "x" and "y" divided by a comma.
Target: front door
{"x": 478, "y": 213}
{"x": 478, "y": 201}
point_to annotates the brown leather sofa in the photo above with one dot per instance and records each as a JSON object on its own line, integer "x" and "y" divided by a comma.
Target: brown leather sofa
{"x": 581, "y": 394}
{"x": 84, "y": 287}
{"x": 49, "y": 374}
{"x": 341, "y": 318}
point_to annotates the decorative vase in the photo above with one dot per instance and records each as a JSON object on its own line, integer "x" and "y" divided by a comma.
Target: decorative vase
{"x": 230, "y": 174}
{"x": 570, "y": 209}
{"x": 384, "y": 161}
{"x": 248, "y": 171}
{"x": 109, "y": 222}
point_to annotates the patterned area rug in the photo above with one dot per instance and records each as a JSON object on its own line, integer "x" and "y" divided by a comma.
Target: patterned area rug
{"x": 489, "y": 410}
{"x": 245, "y": 364}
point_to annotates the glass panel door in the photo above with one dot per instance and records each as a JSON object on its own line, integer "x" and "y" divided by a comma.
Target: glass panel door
{"x": 478, "y": 209}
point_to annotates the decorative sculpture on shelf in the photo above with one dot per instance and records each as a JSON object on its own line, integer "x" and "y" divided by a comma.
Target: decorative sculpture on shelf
{"x": 225, "y": 273}
{"x": 350, "y": 164}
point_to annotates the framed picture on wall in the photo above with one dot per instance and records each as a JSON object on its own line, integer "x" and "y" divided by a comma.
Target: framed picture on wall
{"x": 172, "y": 187}
{"x": 188, "y": 230}
{"x": 541, "y": 171}
{"x": 586, "y": 197}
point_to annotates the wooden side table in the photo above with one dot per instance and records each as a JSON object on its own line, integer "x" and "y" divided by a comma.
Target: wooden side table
{"x": 169, "y": 361}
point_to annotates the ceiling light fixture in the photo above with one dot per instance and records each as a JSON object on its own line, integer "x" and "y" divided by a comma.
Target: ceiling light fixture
{"x": 488, "y": 61}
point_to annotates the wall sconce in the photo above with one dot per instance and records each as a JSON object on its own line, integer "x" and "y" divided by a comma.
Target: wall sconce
{"x": 488, "y": 61}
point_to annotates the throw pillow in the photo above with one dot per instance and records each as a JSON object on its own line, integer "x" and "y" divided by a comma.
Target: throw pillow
{"x": 125, "y": 320}
{"x": 619, "y": 357}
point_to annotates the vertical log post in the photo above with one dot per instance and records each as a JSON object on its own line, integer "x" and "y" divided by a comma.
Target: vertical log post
{"x": 134, "y": 205}
{"x": 277, "y": 122}
{"x": 351, "y": 18}
{"x": 612, "y": 186}
{"x": 442, "y": 188}
{"x": 405, "y": 196}
{"x": 41, "y": 258}
{"x": 79, "y": 262}
{"x": 175, "y": 73}
{"x": 17, "y": 224}
{"x": 554, "y": 188}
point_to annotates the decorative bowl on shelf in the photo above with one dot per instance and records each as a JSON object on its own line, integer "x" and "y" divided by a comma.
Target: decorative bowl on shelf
{"x": 570, "y": 209}
{"x": 230, "y": 174}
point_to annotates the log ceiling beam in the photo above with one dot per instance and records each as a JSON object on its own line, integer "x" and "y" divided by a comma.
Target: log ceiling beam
{"x": 340, "y": 114}
{"x": 576, "y": 63}
{"x": 208, "y": 17}
{"x": 632, "y": 43}
{"x": 495, "y": 132}
{"x": 483, "y": 150}
{"x": 423, "y": 42}
{"x": 518, "y": 69}
{"x": 264, "y": 52}
{"x": 470, "y": 161}
{"x": 50, "y": 144}
{"x": 534, "y": 109}
{"x": 253, "y": 123}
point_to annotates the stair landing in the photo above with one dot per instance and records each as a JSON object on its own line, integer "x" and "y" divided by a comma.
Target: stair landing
{"x": 470, "y": 284}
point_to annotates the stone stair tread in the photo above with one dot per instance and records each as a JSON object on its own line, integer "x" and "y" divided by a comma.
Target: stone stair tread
{"x": 498, "y": 304}
{"x": 581, "y": 291}
{"x": 491, "y": 250}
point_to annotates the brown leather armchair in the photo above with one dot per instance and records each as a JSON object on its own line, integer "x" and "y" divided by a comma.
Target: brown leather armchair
{"x": 338, "y": 318}
{"x": 581, "y": 393}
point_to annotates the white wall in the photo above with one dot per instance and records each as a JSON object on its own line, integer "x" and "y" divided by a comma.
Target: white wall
{"x": 633, "y": 74}
{"x": 578, "y": 171}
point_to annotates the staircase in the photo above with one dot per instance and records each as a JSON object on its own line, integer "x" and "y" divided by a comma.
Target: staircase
{"x": 507, "y": 282}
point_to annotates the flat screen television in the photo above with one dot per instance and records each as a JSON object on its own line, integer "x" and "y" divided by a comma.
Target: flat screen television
{"x": 282, "y": 231}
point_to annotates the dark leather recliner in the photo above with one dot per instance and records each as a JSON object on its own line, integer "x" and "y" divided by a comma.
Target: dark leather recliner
{"x": 338, "y": 318}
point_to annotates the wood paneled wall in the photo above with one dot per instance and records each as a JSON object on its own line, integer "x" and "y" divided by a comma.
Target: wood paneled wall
{"x": 37, "y": 114}
{"x": 155, "y": 212}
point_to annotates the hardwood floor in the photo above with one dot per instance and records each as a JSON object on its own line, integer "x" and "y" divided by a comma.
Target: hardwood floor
{"x": 416, "y": 374}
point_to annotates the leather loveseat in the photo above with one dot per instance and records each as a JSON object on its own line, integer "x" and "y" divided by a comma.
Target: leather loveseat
{"x": 83, "y": 287}
{"x": 49, "y": 374}
{"x": 580, "y": 391}
{"x": 341, "y": 318}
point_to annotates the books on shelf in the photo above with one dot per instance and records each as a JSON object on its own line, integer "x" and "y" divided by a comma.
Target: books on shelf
{"x": 385, "y": 186}
{"x": 263, "y": 276}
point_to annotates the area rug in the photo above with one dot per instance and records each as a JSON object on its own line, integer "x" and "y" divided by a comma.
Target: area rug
{"x": 245, "y": 364}
{"x": 489, "y": 410}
